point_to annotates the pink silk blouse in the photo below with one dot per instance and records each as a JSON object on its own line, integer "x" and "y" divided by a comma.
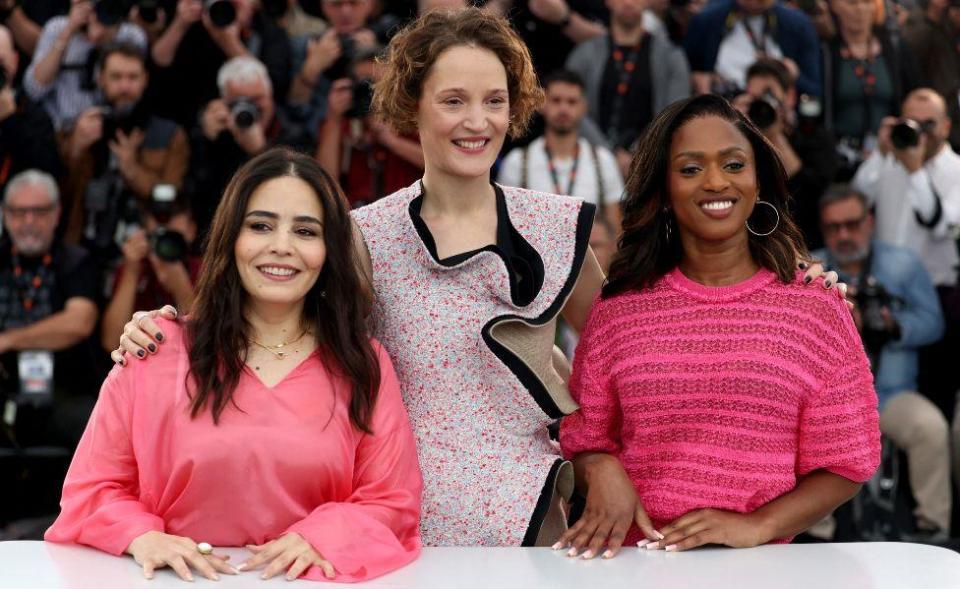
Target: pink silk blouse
{"x": 285, "y": 459}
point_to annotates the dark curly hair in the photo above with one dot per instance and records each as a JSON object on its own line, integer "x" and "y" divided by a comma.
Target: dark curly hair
{"x": 413, "y": 51}
{"x": 644, "y": 254}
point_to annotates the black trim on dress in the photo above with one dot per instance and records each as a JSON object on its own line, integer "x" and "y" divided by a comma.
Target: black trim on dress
{"x": 543, "y": 505}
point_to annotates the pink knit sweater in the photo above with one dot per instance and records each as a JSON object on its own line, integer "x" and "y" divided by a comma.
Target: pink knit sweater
{"x": 722, "y": 397}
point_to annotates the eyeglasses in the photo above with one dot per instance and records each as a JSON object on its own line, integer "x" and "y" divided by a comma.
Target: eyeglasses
{"x": 851, "y": 226}
{"x": 21, "y": 212}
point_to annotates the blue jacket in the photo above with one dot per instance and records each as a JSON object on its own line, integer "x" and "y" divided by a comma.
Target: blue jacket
{"x": 902, "y": 274}
{"x": 794, "y": 34}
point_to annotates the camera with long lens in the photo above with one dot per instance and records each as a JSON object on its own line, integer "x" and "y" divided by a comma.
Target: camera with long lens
{"x": 111, "y": 12}
{"x": 244, "y": 112}
{"x": 222, "y": 13}
{"x": 872, "y": 298}
{"x": 763, "y": 111}
{"x": 906, "y": 133}
{"x": 165, "y": 243}
{"x": 348, "y": 52}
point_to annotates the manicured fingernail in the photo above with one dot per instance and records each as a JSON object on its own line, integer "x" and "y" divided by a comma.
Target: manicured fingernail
{"x": 557, "y": 546}
{"x": 671, "y": 548}
{"x": 828, "y": 283}
{"x": 653, "y": 546}
{"x": 658, "y": 535}
{"x": 642, "y": 543}
{"x": 242, "y": 566}
{"x": 216, "y": 577}
{"x": 608, "y": 554}
{"x": 802, "y": 265}
{"x": 141, "y": 353}
{"x": 152, "y": 347}
{"x": 122, "y": 363}
{"x": 587, "y": 555}
{"x": 159, "y": 336}
{"x": 807, "y": 279}
{"x": 572, "y": 551}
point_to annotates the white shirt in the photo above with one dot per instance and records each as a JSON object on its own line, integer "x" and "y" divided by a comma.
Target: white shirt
{"x": 585, "y": 184}
{"x": 737, "y": 52}
{"x": 900, "y": 197}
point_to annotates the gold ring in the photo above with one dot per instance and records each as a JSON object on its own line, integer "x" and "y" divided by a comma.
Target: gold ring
{"x": 204, "y": 548}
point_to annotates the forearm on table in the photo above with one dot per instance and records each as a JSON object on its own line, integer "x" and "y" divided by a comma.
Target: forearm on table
{"x": 814, "y": 497}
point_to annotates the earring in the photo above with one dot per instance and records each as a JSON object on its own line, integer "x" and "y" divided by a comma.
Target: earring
{"x": 775, "y": 225}
{"x": 667, "y": 223}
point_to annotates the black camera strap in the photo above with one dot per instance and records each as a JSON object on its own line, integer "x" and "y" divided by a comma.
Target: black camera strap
{"x": 625, "y": 62}
{"x": 863, "y": 69}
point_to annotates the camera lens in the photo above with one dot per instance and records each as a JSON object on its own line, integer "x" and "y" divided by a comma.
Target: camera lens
{"x": 762, "y": 113}
{"x": 169, "y": 246}
{"x": 245, "y": 113}
{"x": 222, "y": 13}
{"x": 905, "y": 134}
{"x": 148, "y": 10}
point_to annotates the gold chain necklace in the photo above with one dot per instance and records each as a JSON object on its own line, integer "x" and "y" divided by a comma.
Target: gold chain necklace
{"x": 278, "y": 350}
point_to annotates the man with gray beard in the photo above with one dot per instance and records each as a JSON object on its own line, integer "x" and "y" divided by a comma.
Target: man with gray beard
{"x": 897, "y": 312}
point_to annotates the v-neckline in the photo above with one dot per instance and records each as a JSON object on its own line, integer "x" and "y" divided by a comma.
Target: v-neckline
{"x": 250, "y": 370}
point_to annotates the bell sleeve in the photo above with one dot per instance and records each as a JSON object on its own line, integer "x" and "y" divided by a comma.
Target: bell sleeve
{"x": 376, "y": 529}
{"x": 100, "y": 506}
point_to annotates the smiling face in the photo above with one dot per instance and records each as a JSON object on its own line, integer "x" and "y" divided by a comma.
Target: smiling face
{"x": 712, "y": 180}
{"x": 463, "y": 113}
{"x": 280, "y": 249}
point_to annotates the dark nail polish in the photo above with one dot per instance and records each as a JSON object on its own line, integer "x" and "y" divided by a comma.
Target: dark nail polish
{"x": 803, "y": 265}
{"x": 152, "y": 347}
{"x": 828, "y": 283}
{"x": 806, "y": 280}
{"x": 159, "y": 337}
{"x": 141, "y": 353}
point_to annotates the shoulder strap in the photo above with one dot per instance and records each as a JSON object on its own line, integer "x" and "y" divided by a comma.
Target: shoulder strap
{"x": 601, "y": 185}
{"x": 525, "y": 166}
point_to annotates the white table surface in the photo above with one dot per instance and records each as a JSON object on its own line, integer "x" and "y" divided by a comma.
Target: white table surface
{"x": 37, "y": 565}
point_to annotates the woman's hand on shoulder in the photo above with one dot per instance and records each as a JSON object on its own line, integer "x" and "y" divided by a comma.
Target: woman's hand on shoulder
{"x": 141, "y": 335}
{"x": 155, "y": 550}
{"x": 815, "y": 270}
{"x": 712, "y": 526}
{"x": 612, "y": 506}
{"x": 290, "y": 553}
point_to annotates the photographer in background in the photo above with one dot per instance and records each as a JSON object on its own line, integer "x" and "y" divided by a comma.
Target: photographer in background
{"x": 367, "y": 156}
{"x": 25, "y": 20}
{"x": 117, "y": 152}
{"x": 897, "y": 313}
{"x": 805, "y": 147}
{"x": 202, "y": 36}
{"x": 913, "y": 181}
{"x": 243, "y": 122}
{"x": 26, "y": 134}
{"x": 61, "y": 75}
{"x": 160, "y": 266}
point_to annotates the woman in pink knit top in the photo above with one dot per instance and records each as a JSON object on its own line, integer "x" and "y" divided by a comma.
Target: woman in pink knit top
{"x": 269, "y": 419}
{"x": 739, "y": 403}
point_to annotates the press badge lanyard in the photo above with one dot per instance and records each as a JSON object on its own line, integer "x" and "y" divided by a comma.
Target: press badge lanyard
{"x": 626, "y": 66}
{"x": 573, "y": 171}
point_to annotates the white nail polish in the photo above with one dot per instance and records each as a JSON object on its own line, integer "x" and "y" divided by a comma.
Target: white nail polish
{"x": 572, "y": 552}
{"x": 653, "y": 546}
{"x": 642, "y": 543}
{"x": 608, "y": 554}
{"x": 658, "y": 535}
{"x": 557, "y": 546}
{"x": 671, "y": 548}
{"x": 242, "y": 567}
{"x": 587, "y": 555}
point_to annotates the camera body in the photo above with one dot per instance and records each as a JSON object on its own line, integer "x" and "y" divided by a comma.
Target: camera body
{"x": 165, "y": 243}
{"x": 222, "y": 13}
{"x": 906, "y": 133}
{"x": 765, "y": 110}
{"x": 244, "y": 112}
{"x": 148, "y": 10}
{"x": 362, "y": 98}
{"x": 872, "y": 298}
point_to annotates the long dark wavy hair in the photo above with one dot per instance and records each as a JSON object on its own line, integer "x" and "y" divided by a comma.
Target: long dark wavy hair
{"x": 645, "y": 254}
{"x": 336, "y": 307}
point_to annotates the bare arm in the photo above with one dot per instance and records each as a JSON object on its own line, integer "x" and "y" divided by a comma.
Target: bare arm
{"x": 408, "y": 150}
{"x": 584, "y": 293}
{"x": 120, "y": 307}
{"x": 25, "y": 32}
{"x": 47, "y": 69}
{"x": 57, "y": 332}
{"x": 328, "y": 146}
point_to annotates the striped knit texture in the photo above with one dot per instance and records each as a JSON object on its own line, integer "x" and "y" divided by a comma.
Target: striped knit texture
{"x": 721, "y": 397}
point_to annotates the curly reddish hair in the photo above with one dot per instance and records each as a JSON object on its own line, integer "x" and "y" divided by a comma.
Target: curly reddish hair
{"x": 413, "y": 51}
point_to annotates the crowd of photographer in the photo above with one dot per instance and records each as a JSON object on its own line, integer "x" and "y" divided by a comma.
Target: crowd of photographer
{"x": 121, "y": 122}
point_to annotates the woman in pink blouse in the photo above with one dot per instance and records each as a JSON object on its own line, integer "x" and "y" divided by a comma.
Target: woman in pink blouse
{"x": 269, "y": 419}
{"x": 738, "y": 403}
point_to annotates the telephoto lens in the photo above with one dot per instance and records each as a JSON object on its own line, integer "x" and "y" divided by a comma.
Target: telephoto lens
{"x": 221, "y": 13}
{"x": 905, "y": 134}
{"x": 763, "y": 111}
{"x": 244, "y": 112}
